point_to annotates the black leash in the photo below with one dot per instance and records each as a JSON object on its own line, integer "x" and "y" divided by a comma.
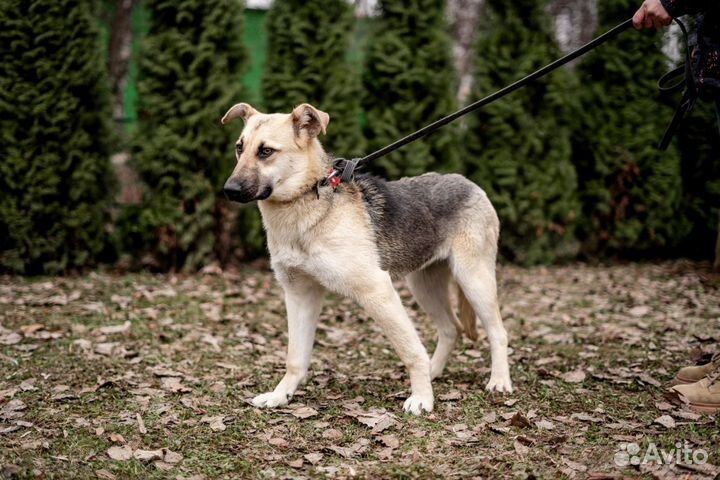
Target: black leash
{"x": 344, "y": 169}
{"x": 674, "y": 81}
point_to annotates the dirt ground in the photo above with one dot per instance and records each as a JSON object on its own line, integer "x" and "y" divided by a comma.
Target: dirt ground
{"x": 143, "y": 376}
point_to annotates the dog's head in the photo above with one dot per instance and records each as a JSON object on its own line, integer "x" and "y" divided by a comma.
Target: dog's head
{"x": 278, "y": 155}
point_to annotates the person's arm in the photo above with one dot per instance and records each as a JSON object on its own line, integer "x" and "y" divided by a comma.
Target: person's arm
{"x": 659, "y": 13}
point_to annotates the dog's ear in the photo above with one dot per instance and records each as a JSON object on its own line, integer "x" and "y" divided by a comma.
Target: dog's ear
{"x": 308, "y": 118}
{"x": 241, "y": 110}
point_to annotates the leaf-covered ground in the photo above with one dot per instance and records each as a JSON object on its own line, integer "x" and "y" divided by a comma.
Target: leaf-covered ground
{"x": 142, "y": 376}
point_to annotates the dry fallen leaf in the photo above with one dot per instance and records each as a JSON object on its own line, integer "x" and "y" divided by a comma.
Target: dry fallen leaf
{"x": 13, "y": 409}
{"x": 314, "y": 458}
{"x": 174, "y": 385}
{"x": 385, "y": 453}
{"x": 304, "y": 412}
{"x": 688, "y": 415}
{"x": 213, "y": 341}
{"x": 663, "y": 406}
{"x": 544, "y": 425}
{"x": 120, "y": 453}
{"x": 390, "y": 441}
{"x": 575, "y": 376}
{"x": 8, "y": 393}
{"x": 332, "y": 434}
{"x": 644, "y": 377}
{"x": 520, "y": 449}
{"x": 666, "y": 421}
{"x": 141, "y": 424}
{"x": 113, "y": 329}
{"x": 105, "y": 474}
{"x": 162, "y": 371}
{"x": 377, "y": 419}
{"x": 639, "y": 311}
{"x": 548, "y": 360}
{"x": 490, "y": 417}
{"x": 585, "y": 417}
{"x": 216, "y": 422}
{"x": 148, "y": 455}
{"x": 30, "y": 329}
{"x": 453, "y": 395}
{"x": 350, "y": 451}
{"x": 163, "y": 466}
{"x": 520, "y": 420}
{"x": 574, "y": 465}
{"x": 172, "y": 457}
{"x": 107, "y": 348}
{"x": 10, "y": 338}
{"x": 298, "y": 463}
{"x": 279, "y": 442}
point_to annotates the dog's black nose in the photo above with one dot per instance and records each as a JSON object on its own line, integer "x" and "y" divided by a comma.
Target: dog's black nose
{"x": 237, "y": 192}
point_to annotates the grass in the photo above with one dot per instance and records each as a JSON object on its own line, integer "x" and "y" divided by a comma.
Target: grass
{"x": 70, "y": 388}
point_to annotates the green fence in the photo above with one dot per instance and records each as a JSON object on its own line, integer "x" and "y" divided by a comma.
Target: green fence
{"x": 255, "y": 40}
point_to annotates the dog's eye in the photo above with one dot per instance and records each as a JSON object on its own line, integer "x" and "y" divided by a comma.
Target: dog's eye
{"x": 265, "y": 152}
{"x": 239, "y": 147}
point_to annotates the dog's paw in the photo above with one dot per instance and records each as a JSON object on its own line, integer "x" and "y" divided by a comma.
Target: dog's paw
{"x": 270, "y": 400}
{"x": 417, "y": 403}
{"x": 499, "y": 384}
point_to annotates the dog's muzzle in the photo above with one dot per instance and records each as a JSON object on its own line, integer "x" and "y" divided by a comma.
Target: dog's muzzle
{"x": 236, "y": 191}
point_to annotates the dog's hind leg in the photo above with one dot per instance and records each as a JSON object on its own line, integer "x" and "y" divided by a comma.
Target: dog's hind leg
{"x": 476, "y": 276}
{"x": 303, "y": 300}
{"x": 430, "y": 287}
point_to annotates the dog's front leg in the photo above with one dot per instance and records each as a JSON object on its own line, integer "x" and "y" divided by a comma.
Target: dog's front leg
{"x": 381, "y": 301}
{"x": 303, "y": 301}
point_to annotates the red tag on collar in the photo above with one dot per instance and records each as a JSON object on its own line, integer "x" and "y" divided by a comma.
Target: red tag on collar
{"x": 333, "y": 179}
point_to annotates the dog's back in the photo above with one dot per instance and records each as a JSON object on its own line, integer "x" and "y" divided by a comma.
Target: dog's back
{"x": 413, "y": 217}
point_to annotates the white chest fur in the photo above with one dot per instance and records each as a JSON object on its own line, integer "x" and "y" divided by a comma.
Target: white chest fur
{"x": 320, "y": 237}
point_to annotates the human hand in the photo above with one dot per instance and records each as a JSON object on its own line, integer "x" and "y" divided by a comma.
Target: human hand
{"x": 651, "y": 14}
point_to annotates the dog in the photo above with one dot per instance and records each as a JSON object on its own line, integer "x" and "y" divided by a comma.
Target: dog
{"x": 434, "y": 230}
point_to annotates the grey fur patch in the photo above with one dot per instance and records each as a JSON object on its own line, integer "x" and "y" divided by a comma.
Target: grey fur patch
{"x": 413, "y": 216}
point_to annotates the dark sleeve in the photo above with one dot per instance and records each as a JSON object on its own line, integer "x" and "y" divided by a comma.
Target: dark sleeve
{"x": 678, "y": 8}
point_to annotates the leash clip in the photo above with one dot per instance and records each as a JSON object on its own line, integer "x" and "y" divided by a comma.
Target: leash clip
{"x": 348, "y": 168}
{"x": 331, "y": 178}
{"x": 342, "y": 171}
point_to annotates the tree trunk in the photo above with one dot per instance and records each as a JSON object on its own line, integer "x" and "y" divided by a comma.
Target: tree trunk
{"x": 464, "y": 16}
{"x": 119, "y": 55}
{"x": 574, "y": 21}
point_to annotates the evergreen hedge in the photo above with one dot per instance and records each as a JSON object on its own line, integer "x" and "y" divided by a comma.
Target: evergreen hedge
{"x": 55, "y": 137}
{"x": 307, "y": 62}
{"x": 410, "y": 81}
{"x": 519, "y": 148}
{"x": 190, "y": 74}
{"x": 631, "y": 192}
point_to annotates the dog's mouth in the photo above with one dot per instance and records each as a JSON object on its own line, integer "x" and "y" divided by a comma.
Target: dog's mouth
{"x": 265, "y": 193}
{"x": 235, "y": 192}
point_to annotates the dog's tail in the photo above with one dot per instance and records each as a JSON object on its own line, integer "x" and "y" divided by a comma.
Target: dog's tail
{"x": 468, "y": 321}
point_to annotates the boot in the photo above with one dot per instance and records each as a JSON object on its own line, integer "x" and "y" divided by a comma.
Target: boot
{"x": 696, "y": 373}
{"x": 703, "y": 395}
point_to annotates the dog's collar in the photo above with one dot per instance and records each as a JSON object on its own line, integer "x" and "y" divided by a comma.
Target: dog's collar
{"x": 342, "y": 170}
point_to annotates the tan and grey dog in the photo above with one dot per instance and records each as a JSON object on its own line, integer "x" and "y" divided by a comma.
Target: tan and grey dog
{"x": 430, "y": 229}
